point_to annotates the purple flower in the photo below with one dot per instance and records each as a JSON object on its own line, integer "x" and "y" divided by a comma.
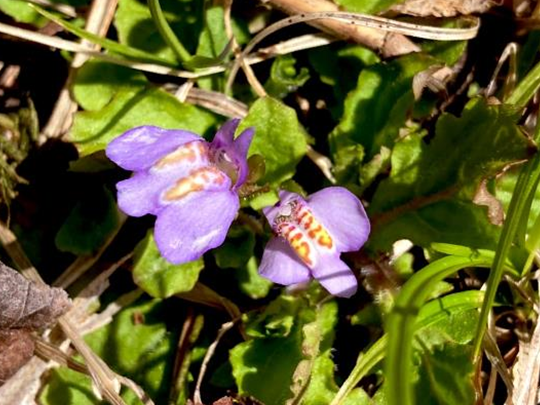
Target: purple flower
{"x": 310, "y": 236}
{"x": 189, "y": 184}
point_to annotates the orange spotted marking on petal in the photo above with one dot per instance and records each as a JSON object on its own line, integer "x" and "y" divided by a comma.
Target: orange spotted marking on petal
{"x": 303, "y": 232}
{"x": 301, "y": 247}
{"x": 315, "y": 230}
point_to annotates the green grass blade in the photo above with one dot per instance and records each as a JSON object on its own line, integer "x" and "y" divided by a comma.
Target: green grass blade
{"x": 526, "y": 88}
{"x": 166, "y": 31}
{"x": 402, "y": 322}
{"x": 112, "y": 46}
{"x": 520, "y": 206}
{"x": 430, "y": 313}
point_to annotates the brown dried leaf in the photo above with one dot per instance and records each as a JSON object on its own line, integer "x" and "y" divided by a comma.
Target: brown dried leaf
{"x": 434, "y": 78}
{"x": 24, "y": 304}
{"x": 224, "y": 401}
{"x": 16, "y": 349}
{"x": 494, "y": 206}
{"x": 526, "y": 370}
{"x": 442, "y": 8}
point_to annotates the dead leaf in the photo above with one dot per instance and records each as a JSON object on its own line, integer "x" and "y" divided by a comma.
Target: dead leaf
{"x": 224, "y": 401}
{"x": 24, "y": 304}
{"x": 16, "y": 349}
{"x": 494, "y": 206}
{"x": 526, "y": 370}
{"x": 442, "y": 8}
{"x": 434, "y": 78}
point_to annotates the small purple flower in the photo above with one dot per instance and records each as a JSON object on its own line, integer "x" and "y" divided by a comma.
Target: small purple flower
{"x": 310, "y": 236}
{"x": 189, "y": 184}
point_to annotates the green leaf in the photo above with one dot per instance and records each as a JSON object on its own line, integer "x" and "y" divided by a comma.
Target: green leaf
{"x": 367, "y": 6}
{"x": 166, "y": 32}
{"x": 446, "y": 376}
{"x": 212, "y": 41}
{"x": 236, "y": 250}
{"x": 375, "y": 112}
{"x": 237, "y": 253}
{"x": 279, "y": 138}
{"x": 338, "y": 66}
{"x": 250, "y": 282}
{"x": 379, "y": 164}
{"x": 143, "y": 352}
{"x": 275, "y": 367}
{"x": 432, "y": 313}
{"x": 89, "y": 224}
{"x": 322, "y": 386}
{"x": 428, "y": 196}
{"x": 504, "y": 189}
{"x": 136, "y": 28}
{"x": 21, "y": 12}
{"x": 264, "y": 367}
{"x": 284, "y": 78}
{"x": 401, "y": 324}
{"x": 108, "y": 44}
{"x": 451, "y": 327}
{"x": 157, "y": 276}
{"x": 130, "y": 107}
{"x": 277, "y": 320}
{"x": 97, "y": 83}
{"x": 214, "y": 47}
{"x": 514, "y": 230}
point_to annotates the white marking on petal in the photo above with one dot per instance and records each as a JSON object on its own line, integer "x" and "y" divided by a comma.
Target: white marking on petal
{"x": 202, "y": 241}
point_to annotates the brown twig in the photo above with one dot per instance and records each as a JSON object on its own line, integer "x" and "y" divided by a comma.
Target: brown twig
{"x": 387, "y": 44}
{"x": 190, "y": 332}
{"x": 207, "y": 357}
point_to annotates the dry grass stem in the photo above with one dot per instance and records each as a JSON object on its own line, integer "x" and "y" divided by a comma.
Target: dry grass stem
{"x": 197, "y": 400}
{"x": 526, "y": 370}
{"x": 68, "y": 11}
{"x": 322, "y": 162}
{"x": 106, "y": 381}
{"x": 103, "y": 318}
{"x": 83, "y": 263}
{"x": 183, "y": 91}
{"x": 217, "y": 102}
{"x": 384, "y": 24}
{"x": 98, "y": 22}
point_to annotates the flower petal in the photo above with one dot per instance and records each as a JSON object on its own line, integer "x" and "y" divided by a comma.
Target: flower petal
{"x": 343, "y": 215}
{"x": 281, "y": 265}
{"x": 241, "y": 147}
{"x": 225, "y": 135}
{"x": 195, "y": 224}
{"x": 139, "y": 195}
{"x": 139, "y": 148}
{"x": 335, "y": 276}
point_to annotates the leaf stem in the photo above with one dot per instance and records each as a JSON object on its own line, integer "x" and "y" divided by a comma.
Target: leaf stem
{"x": 166, "y": 31}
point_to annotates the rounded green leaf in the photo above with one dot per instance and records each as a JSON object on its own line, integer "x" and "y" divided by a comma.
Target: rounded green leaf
{"x": 279, "y": 138}
{"x": 157, "y": 276}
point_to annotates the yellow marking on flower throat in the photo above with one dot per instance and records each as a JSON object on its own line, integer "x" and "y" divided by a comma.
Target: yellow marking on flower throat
{"x": 189, "y": 153}
{"x": 197, "y": 180}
